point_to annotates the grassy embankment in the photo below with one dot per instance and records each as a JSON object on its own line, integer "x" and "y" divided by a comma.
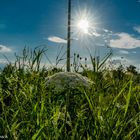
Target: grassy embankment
{"x": 110, "y": 110}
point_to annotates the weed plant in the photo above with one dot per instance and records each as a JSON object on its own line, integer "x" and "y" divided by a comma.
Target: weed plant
{"x": 109, "y": 110}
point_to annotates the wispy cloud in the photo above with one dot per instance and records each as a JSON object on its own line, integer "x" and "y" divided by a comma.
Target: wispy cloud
{"x": 106, "y": 30}
{"x": 117, "y": 60}
{"x": 137, "y": 29}
{"x": 124, "y": 41}
{"x": 4, "y": 49}
{"x": 3, "y": 61}
{"x": 95, "y": 34}
{"x": 57, "y": 39}
{"x": 124, "y": 52}
{"x": 134, "y": 52}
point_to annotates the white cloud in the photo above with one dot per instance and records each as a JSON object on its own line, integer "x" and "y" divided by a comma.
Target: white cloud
{"x": 117, "y": 60}
{"x": 125, "y": 41}
{"x": 4, "y": 49}
{"x": 137, "y": 28}
{"x": 124, "y": 52}
{"x": 57, "y": 39}
{"x": 105, "y": 30}
{"x": 95, "y": 34}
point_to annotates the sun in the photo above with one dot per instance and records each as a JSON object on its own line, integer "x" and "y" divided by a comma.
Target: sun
{"x": 83, "y": 25}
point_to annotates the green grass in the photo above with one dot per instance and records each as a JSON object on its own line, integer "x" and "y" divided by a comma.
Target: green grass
{"x": 110, "y": 110}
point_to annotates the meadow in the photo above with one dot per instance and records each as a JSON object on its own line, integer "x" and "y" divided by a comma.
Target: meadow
{"x": 109, "y": 110}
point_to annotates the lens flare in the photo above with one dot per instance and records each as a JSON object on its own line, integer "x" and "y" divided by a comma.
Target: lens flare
{"x": 83, "y": 25}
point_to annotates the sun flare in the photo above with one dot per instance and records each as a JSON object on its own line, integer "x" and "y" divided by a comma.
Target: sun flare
{"x": 83, "y": 25}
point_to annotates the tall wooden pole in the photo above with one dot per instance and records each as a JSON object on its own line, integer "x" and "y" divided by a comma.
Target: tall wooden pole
{"x": 69, "y": 36}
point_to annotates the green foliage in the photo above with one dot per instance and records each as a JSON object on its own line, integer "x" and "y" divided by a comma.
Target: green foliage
{"x": 109, "y": 110}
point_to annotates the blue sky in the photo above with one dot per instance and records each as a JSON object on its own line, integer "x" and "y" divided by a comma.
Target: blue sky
{"x": 32, "y": 23}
